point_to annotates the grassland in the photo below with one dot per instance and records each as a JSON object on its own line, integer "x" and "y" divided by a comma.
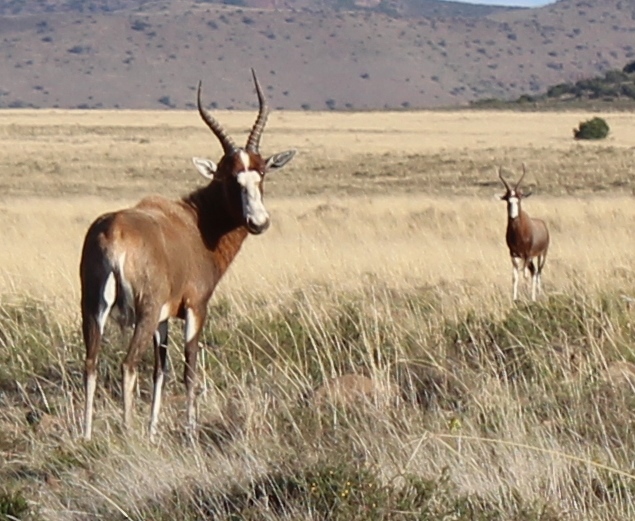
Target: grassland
{"x": 386, "y": 258}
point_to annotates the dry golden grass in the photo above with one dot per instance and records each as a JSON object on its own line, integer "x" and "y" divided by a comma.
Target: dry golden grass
{"x": 62, "y": 169}
{"x": 405, "y": 241}
{"x": 375, "y": 259}
{"x": 127, "y": 154}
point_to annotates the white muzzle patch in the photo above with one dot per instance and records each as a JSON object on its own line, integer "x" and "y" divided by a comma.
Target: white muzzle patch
{"x": 514, "y": 206}
{"x": 254, "y": 209}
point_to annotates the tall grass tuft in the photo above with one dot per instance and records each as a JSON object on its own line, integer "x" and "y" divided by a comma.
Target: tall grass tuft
{"x": 518, "y": 412}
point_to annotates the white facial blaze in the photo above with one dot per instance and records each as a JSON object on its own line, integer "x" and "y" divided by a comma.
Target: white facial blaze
{"x": 513, "y": 205}
{"x": 253, "y": 206}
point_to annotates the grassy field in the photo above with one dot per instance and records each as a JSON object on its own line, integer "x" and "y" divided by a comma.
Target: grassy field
{"x": 386, "y": 258}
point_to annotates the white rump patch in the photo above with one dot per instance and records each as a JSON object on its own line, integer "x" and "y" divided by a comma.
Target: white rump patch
{"x": 109, "y": 296}
{"x": 253, "y": 206}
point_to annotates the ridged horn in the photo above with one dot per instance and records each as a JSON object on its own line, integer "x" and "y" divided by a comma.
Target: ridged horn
{"x": 253, "y": 142}
{"x": 500, "y": 174}
{"x": 226, "y": 142}
{"x": 521, "y": 177}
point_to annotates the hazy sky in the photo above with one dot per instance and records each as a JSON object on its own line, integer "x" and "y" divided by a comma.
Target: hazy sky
{"x": 517, "y": 3}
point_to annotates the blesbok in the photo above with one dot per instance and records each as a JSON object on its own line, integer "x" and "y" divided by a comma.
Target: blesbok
{"x": 527, "y": 238}
{"x": 163, "y": 258}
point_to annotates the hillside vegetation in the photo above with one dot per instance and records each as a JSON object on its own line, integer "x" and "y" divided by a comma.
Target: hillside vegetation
{"x": 428, "y": 8}
{"x": 613, "y": 89}
{"x": 371, "y": 55}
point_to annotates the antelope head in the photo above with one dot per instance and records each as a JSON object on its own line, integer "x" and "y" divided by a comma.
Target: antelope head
{"x": 242, "y": 170}
{"x": 513, "y": 195}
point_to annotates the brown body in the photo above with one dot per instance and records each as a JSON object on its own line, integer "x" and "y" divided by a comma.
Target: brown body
{"x": 527, "y": 239}
{"x": 163, "y": 258}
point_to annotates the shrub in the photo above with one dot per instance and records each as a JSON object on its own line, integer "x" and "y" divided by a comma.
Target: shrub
{"x": 629, "y": 68}
{"x": 165, "y": 100}
{"x": 13, "y": 505}
{"x": 628, "y": 90}
{"x": 139, "y": 25}
{"x": 560, "y": 90}
{"x": 79, "y": 49}
{"x": 595, "y": 128}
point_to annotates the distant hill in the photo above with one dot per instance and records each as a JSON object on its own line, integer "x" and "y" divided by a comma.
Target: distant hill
{"x": 613, "y": 89}
{"x": 398, "y": 8}
{"x": 322, "y": 54}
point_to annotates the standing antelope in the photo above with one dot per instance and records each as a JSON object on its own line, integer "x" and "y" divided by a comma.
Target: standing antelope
{"x": 163, "y": 258}
{"x": 527, "y": 238}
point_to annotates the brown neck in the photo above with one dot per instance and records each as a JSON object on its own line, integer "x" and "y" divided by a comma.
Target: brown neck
{"x": 519, "y": 231}
{"x": 220, "y": 229}
{"x": 520, "y": 221}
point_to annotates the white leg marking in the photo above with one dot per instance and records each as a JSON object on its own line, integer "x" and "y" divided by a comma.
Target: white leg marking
{"x": 515, "y": 277}
{"x": 191, "y": 325}
{"x": 165, "y": 312}
{"x": 129, "y": 381}
{"x": 91, "y": 385}
{"x": 156, "y": 406}
{"x": 109, "y": 296}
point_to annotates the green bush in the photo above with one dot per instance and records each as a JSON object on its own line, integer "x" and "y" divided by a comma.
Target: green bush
{"x": 595, "y": 128}
{"x": 13, "y": 505}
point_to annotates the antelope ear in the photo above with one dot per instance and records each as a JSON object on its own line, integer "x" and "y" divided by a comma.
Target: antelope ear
{"x": 205, "y": 167}
{"x": 277, "y": 161}
{"x": 525, "y": 195}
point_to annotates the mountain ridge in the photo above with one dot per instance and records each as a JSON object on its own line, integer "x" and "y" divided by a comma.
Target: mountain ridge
{"x": 152, "y": 56}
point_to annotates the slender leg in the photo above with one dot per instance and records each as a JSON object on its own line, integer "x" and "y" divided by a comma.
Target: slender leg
{"x": 141, "y": 338}
{"x": 516, "y": 261}
{"x": 194, "y": 320}
{"x": 541, "y": 263}
{"x": 534, "y": 284}
{"x": 95, "y": 311}
{"x": 92, "y": 339}
{"x": 160, "y": 370}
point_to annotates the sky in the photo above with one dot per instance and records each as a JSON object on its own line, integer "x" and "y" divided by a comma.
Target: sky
{"x": 516, "y": 3}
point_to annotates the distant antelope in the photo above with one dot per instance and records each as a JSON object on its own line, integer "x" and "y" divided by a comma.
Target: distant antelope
{"x": 527, "y": 238}
{"x": 163, "y": 258}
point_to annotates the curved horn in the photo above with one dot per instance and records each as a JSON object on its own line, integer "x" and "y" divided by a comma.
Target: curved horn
{"x": 226, "y": 142}
{"x": 521, "y": 177}
{"x": 500, "y": 174}
{"x": 253, "y": 142}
